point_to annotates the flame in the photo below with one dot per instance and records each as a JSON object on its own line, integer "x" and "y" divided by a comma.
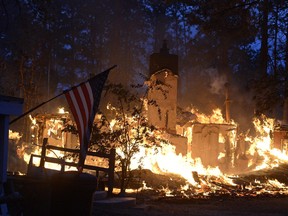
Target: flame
{"x": 33, "y": 120}
{"x": 14, "y": 135}
{"x": 203, "y": 180}
{"x": 47, "y": 165}
{"x": 216, "y": 117}
{"x": 261, "y": 149}
{"x": 61, "y": 110}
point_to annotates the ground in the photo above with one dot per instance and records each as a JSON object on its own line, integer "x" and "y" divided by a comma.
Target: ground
{"x": 263, "y": 206}
{"x": 45, "y": 197}
{"x": 262, "y": 200}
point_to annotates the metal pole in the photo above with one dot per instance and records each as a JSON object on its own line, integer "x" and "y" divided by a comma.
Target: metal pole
{"x": 45, "y": 102}
{"x": 227, "y": 103}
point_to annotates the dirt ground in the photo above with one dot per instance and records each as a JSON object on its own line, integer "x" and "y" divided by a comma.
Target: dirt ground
{"x": 248, "y": 207}
{"x": 263, "y": 206}
{"x": 251, "y": 203}
{"x": 38, "y": 196}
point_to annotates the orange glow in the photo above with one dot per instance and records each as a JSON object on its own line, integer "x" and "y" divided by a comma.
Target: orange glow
{"x": 163, "y": 159}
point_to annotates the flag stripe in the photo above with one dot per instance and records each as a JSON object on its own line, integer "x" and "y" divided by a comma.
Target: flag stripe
{"x": 90, "y": 96}
{"x": 83, "y": 101}
{"x": 83, "y": 105}
{"x": 85, "y": 97}
{"x": 78, "y": 114}
{"x": 78, "y": 103}
{"x": 73, "y": 110}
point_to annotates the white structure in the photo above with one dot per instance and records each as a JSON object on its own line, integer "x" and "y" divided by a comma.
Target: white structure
{"x": 163, "y": 91}
{"x": 162, "y": 94}
{"x": 214, "y": 144}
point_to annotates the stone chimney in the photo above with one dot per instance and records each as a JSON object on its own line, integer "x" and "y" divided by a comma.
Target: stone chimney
{"x": 163, "y": 60}
{"x": 163, "y": 72}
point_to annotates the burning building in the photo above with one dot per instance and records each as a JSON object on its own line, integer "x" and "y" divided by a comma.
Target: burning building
{"x": 164, "y": 79}
{"x": 162, "y": 94}
{"x": 279, "y": 134}
{"x": 212, "y": 141}
{"x": 203, "y": 146}
{"x": 52, "y": 126}
{"x": 280, "y": 138}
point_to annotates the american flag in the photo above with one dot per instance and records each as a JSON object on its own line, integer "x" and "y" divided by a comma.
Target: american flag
{"x": 83, "y": 101}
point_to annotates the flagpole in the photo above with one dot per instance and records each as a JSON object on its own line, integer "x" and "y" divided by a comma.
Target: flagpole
{"x": 36, "y": 107}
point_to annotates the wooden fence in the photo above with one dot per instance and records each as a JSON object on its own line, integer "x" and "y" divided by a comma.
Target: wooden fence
{"x": 63, "y": 162}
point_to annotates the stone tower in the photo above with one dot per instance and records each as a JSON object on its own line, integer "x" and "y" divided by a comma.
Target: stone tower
{"x": 164, "y": 83}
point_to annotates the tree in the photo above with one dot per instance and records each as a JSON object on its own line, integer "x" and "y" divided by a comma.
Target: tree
{"x": 264, "y": 8}
{"x": 124, "y": 127}
{"x": 270, "y": 84}
{"x": 130, "y": 130}
{"x": 220, "y": 53}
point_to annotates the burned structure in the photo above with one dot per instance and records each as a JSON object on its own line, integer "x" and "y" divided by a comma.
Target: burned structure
{"x": 213, "y": 143}
{"x": 52, "y": 126}
{"x": 164, "y": 83}
{"x": 280, "y": 138}
{"x": 162, "y": 112}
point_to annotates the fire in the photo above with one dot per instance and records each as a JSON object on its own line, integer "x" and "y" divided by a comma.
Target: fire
{"x": 201, "y": 179}
{"x": 61, "y": 110}
{"x": 216, "y": 117}
{"x": 14, "y": 135}
{"x": 165, "y": 159}
{"x": 33, "y": 120}
{"x": 261, "y": 145}
{"x": 52, "y": 166}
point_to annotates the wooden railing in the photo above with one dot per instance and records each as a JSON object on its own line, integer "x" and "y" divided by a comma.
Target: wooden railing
{"x": 63, "y": 163}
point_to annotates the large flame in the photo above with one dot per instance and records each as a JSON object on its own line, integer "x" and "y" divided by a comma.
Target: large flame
{"x": 261, "y": 149}
{"x": 163, "y": 159}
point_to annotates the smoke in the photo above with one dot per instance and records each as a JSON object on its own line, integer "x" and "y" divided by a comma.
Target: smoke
{"x": 205, "y": 90}
{"x": 217, "y": 81}
{"x": 202, "y": 88}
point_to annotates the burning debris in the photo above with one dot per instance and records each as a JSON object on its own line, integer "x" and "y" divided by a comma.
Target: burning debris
{"x": 169, "y": 173}
{"x": 53, "y": 126}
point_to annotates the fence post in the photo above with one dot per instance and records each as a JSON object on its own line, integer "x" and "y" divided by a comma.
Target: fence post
{"x": 111, "y": 172}
{"x": 62, "y": 165}
{"x": 43, "y": 152}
